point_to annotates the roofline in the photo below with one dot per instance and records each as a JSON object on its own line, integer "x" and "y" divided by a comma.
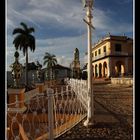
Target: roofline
{"x": 58, "y": 65}
{"x": 111, "y": 37}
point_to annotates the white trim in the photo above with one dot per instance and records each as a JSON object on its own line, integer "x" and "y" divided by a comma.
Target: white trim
{"x": 17, "y": 110}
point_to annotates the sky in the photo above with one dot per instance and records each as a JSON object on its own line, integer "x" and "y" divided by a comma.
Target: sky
{"x": 59, "y": 26}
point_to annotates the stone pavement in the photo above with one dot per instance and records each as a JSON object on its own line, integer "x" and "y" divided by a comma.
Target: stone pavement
{"x": 107, "y": 127}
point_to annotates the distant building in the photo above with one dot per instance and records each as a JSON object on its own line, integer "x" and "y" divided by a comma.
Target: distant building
{"x": 32, "y": 75}
{"x": 31, "y": 66}
{"x": 84, "y": 72}
{"x": 75, "y": 65}
{"x": 59, "y": 72}
{"x": 113, "y": 56}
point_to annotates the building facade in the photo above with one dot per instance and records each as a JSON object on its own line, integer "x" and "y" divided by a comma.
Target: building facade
{"x": 113, "y": 57}
{"x": 32, "y": 78}
{"x": 59, "y": 72}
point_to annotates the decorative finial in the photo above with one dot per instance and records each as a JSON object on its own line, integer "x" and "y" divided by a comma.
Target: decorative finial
{"x": 16, "y": 55}
{"x": 16, "y": 70}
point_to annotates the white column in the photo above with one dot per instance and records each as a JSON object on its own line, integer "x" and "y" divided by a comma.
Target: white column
{"x": 90, "y": 114}
{"x": 108, "y": 67}
{"x": 126, "y": 65}
{"x": 17, "y": 102}
{"x": 103, "y": 74}
{"x": 98, "y": 70}
{"x": 50, "y": 93}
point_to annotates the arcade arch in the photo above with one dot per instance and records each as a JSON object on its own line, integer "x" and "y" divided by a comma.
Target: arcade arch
{"x": 119, "y": 68}
{"x": 96, "y": 70}
{"x": 105, "y": 69}
{"x": 100, "y": 70}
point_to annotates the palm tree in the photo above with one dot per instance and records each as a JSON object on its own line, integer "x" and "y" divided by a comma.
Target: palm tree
{"x": 51, "y": 61}
{"x": 24, "y": 40}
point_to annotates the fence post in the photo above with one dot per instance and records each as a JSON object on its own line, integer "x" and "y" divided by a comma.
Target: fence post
{"x": 50, "y": 93}
{"x": 17, "y": 102}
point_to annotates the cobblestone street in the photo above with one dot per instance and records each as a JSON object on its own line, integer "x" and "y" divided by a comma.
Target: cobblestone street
{"x": 113, "y": 116}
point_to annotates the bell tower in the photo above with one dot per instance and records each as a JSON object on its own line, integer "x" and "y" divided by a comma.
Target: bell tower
{"x": 76, "y": 55}
{"x": 75, "y": 65}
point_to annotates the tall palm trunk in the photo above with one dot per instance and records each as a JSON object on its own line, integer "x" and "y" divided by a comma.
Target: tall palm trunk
{"x": 51, "y": 73}
{"x": 26, "y": 68}
{"x": 48, "y": 74}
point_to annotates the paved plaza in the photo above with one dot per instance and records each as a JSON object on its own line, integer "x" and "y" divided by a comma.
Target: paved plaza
{"x": 113, "y": 115}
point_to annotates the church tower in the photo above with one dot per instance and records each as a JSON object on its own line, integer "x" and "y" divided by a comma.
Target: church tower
{"x": 75, "y": 65}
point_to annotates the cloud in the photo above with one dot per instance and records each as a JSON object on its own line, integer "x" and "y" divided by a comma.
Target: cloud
{"x": 107, "y": 24}
{"x": 15, "y": 17}
{"x": 50, "y": 17}
{"x": 124, "y": 1}
{"x": 63, "y": 48}
{"x": 53, "y": 18}
{"x": 59, "y": 27}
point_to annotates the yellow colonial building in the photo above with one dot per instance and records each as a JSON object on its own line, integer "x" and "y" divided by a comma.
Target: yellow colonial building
{"x": 112, "y": 56}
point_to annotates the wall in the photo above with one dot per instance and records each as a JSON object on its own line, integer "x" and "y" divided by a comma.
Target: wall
{"x": 128, "y": 81}
{"x": 101, "y": 46}
{"x": 125, "y": 56}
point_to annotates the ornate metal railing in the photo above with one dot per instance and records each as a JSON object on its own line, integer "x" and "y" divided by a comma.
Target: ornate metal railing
{"x": 109, "y": 54}
{"x": 80, "y": 89}
{"x": 31, "y": 94}
{"x": 46, "y": 116}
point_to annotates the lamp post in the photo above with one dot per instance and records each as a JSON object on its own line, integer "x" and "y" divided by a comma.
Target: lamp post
{"x": 88, "y": 4}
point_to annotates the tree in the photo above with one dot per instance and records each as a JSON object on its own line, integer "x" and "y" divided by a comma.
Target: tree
{"x": 24, "y": 40}
{"x": 50, "y": 60}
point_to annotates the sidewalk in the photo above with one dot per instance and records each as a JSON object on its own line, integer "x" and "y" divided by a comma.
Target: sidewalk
{"x": 107, "y": 127}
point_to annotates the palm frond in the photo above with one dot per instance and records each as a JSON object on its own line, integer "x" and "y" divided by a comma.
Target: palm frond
{"x": 24, "y": 51}
{"x": 18, "y": 31}
{"x": 53, "y": 55}
{"x": 47, "y": 54}
{"x": 50, "y": 60}
{"x": 24, "y": 26}
{"x": 30, "y": 30}
{"x": 17, "y": 41}
{"x": 31, "y": 42}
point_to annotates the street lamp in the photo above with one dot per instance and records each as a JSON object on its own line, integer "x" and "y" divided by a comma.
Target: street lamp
{"x": 88, "y": 5}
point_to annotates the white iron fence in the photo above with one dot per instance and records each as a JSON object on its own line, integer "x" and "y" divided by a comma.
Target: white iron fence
{"x": 80, "y": 89}
{"x": 47, "y": 115}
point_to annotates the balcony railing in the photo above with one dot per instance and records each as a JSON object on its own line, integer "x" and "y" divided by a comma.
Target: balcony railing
{"x": 119, "y": 53}
{"x": 108, "y": 54}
